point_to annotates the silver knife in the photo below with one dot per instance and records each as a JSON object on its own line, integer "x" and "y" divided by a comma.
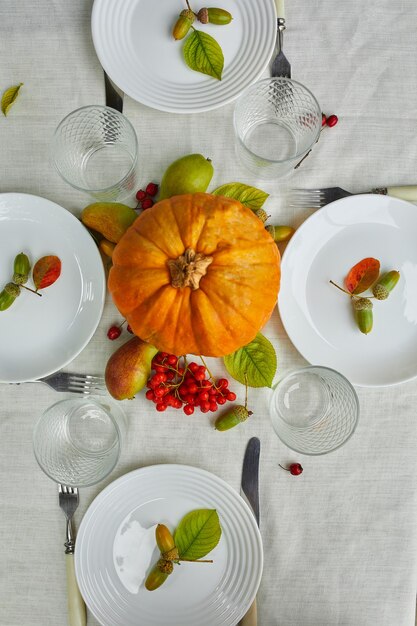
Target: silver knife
{"x": 250, "y": 492}
{"x": 114, "y": 95}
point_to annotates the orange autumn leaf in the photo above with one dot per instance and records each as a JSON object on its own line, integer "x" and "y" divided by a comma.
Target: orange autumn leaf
{"x": 362, "y": 275}
{"x": 46, "y": 271}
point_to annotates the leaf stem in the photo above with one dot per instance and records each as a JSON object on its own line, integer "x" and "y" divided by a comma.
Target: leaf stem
{"x": 32, "y": 290}
{"x": 188, "y": 5}
{"x": 197, "y": 560}
{"x": 246, "y": 390}
{"x": 352, "y": 295}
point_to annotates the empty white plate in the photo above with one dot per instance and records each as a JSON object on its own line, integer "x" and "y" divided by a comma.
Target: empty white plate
{"x": 207, "y": 594}
{"x": 318, "y": 317}
{"x": 39, "y": 335}
{"x": 135, "y": 46}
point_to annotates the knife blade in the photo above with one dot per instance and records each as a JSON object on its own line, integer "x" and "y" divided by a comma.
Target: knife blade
{"x": 114, "y": 96}
{"x": 250, "y": 475}
{"x": 250, "y": 490}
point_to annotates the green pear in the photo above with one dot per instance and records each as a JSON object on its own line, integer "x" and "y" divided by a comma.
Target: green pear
{"x": 129, "y": 368}
{"x": 189, "y": 174}
{"x": 110, "y": 219}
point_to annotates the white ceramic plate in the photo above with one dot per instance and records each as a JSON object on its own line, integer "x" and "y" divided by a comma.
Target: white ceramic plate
{"x": 216, "y": 594}
{"x": 318, "y": 318}
{"x": 40, "y": 335}
{"x": 134, "y": 44}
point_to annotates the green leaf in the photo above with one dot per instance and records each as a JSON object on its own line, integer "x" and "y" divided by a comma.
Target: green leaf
{"x": 251, "y": 197}
{"x": 203, "y": 54}
{"x": 197, "y": 534}
{"x": 8, "y": 97}
{"x": 257, "y": 360}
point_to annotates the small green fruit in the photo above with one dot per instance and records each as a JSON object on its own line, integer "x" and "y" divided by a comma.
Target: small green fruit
{"x": 236, "y": 416}
{"x": 219, "y": 16}
{"x": 189, "y": 174}
{"x": 6, "y": 300}
{"x": 280, "y": 233}
{"x": 159, "y": 574}
{"x": 183, "y": 24}
{"x": 385, "y": 285}
{"x": 363, "y": 314}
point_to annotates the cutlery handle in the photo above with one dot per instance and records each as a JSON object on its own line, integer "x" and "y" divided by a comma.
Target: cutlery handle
{"x": 407, "y": 192}
{"x": 76, "y": 608}
{"x": 280, "y": 6}
{"x": 251, "y": 617}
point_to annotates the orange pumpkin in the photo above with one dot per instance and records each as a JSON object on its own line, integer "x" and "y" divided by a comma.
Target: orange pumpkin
{"x": 196, "y": 274}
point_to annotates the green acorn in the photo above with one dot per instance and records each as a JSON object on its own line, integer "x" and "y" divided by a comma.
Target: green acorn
{"x": 280, "y": 233}
{"x": 234, "y": 417}
{"x": 363, "y": 314}
{"x": 385, "y": 285}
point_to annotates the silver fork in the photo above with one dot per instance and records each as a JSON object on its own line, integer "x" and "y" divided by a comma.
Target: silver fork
{"x": 68, "y": 501}
{"x": 317, "y": 198}
{"x": 74, "y": 383}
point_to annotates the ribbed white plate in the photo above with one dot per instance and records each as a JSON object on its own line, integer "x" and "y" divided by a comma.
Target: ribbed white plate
{"x": 202, "y": 594}
{"x": 39, "y": 336}
{"x": 318, "y": 317}
{"x": 133, "y": 41}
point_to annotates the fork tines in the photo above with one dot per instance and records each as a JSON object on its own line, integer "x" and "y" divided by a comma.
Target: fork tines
{"x": 306, "y": 198}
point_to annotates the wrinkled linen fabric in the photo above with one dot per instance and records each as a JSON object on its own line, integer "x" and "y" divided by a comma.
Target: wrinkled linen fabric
{"x": 340, "y": 541}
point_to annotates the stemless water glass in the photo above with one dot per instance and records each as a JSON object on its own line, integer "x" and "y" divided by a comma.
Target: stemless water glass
{"x": 277, "y": 121}
{"x": 95, "y": 149}
{"x": 314, "y": 410}
{"x": 77, "y": 442}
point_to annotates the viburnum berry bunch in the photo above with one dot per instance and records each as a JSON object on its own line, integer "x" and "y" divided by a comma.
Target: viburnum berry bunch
{"x": 179, "y": 384}
{"x": 145, "y": 197}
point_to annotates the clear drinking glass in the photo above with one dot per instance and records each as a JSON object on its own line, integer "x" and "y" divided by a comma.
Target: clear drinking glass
{"x": 77, "y": 442}
{"x": 95, "y": 149}
{"x": 277, "y": 121}
{"x": 314, "y": 410}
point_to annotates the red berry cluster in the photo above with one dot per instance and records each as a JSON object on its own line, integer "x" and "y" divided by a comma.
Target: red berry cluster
{"x": 114, "y": 332}
{"x": 144, "y": 196}
{"x": 329, "y": 121}
{"x": 179, "y": 384}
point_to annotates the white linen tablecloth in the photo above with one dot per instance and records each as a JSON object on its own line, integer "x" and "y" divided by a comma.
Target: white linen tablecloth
{"x": 340, "y": 541}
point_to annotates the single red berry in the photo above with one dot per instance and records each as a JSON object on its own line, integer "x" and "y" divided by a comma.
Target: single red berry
{"x": 231, "y": 396}
{"x": 200, "y": 376}
{"x": 193, "y": 367}
{"x": 140, "y": 195}
{"x": 221, "y": 400}
{"x": 152, "y": 189}
{"x": 323, "y": 119}
{"x": 129, "y": 329}
{"x": 188, "y": 409}
{"x": 205, "y": 384}
{"x": 222, "y": 383}
{"x": 150, "y": 394}
{"x": 213, "y": 406}
{"x": 176, "y": 403}
{"x": 192, "y": 388}
{"x": 161, "y": 406}
{"x": 213, "y": 391}
{"x": 295, "y": 469}
{"x": 147, "y": 203}
{"x": 170, "y": 375}
{"x": 172, "y": 360}
{"x": 205, "y": 405}
{"x": 332, "y": 120}
{"x": 114, "y": 332}
{"x": 203, "y": 396}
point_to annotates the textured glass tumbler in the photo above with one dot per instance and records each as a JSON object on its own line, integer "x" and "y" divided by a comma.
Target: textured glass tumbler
{"x": 77, "y": 442}
{"x": 314, "y": 410}
{"x": 277, "y": 121}
{"x": 95, "y": 149}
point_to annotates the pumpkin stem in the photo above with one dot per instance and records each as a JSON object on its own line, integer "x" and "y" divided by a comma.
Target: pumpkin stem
{"x": 188, "y": 269}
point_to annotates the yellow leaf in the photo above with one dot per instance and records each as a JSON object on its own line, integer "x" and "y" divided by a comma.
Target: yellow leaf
{"x": 9, "y": 97}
